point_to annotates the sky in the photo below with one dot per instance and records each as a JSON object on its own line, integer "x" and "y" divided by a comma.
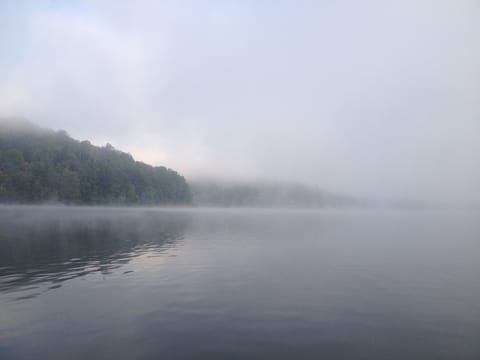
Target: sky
{"x": 371, "y": 98}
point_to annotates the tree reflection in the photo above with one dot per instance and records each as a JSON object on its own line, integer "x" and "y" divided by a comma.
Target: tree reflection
{"x": 52, "y": 245}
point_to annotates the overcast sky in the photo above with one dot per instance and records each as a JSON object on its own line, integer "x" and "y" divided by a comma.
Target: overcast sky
{"x": 366, "y": 97}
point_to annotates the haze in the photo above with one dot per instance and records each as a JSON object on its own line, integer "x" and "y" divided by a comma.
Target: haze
{"x": 370, "y": 98}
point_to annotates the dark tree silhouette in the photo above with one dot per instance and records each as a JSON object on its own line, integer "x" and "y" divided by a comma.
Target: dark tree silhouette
{"x": 38, "y": 165}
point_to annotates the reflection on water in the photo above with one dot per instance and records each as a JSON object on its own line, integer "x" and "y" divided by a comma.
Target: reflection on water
{"x": 95, "y": 283}
{"x": 40, "y": 250}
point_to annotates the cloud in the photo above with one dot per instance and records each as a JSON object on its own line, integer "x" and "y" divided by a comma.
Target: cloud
{"x": 370, "y": 98}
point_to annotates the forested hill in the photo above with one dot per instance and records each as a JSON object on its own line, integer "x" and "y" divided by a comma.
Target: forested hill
{"x": 42, "y": 165}
{"x": 266, "y": 194}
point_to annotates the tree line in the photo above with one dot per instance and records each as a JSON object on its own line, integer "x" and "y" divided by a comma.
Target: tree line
{"x": 265, "y": 194}
{"x": 42, "y": 165}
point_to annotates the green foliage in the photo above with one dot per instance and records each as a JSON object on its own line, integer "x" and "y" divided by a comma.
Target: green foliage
{"x": 38, "y": 165}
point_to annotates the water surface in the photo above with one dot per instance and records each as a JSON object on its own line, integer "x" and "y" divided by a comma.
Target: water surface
{"x": 103, "y": 283}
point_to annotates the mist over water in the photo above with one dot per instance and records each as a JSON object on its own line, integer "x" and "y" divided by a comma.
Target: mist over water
{"x": 323, "y": 157}
{"x": 279, "y": 284}
{"x": 368, "y": 99}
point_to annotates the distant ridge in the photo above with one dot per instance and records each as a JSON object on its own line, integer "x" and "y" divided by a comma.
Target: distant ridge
{"x": 41, "y": 165}
{"x": 266, "y": 194}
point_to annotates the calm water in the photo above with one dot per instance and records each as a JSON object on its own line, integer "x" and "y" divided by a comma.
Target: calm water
{"x": 238, "y": 284}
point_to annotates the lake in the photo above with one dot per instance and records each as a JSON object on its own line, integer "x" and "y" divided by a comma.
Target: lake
{"x": 106, "y": 283}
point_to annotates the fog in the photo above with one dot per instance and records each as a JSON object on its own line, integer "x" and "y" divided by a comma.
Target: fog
{"x": 371, "y": 98}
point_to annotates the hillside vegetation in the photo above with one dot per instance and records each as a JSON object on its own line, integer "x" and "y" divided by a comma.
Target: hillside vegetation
{"x": 42, "y": 165}
{"x": 265, "y": 194}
